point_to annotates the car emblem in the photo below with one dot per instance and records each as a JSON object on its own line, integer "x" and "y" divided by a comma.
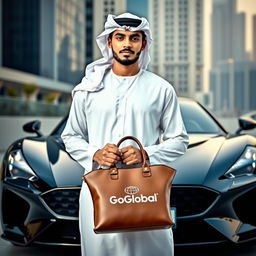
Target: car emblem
{"x": 131, "y": 190}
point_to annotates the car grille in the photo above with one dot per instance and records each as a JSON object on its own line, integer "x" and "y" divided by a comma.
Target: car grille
{"x": 191, "y": 200}
{"x": 63, "y": 202}
{"x": 187, "y": 200}
{"x": 192, "y": 231}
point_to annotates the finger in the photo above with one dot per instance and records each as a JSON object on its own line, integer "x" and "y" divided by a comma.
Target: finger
{"x": 128, "y": 159}
{"x": 112, "y": 149}
{"x": 130, "y": 156}
{"x": 113, "y": 146}
{"x": 128, "y": 150}
{"x": 112, "y": 156}
{"x": 125, "y": 149}
{"x": 130, "y": 153}
{"x": 108, "y": 161}
{"x": 108, "y": 164}
{"x": 110, "y": 145}
{"x": 135, "y": 161}
{"x": 106, "y": 152}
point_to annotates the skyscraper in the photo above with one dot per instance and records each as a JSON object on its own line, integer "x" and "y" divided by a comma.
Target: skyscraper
{"x": 254, "y": 38}
{"x": 101, "y": 10}
{"x": 228, "y": 32}
{"x": 43, "y": 42}
{"x": 232, "y": 76}
{"x": 70, "y": 40}
{"x": 89, "y": 30}
{"x": 21, "y": 35}
{"x": 177, "y": 28}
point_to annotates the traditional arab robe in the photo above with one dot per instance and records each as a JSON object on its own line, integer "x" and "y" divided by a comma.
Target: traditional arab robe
{"x": 107, "y": 107}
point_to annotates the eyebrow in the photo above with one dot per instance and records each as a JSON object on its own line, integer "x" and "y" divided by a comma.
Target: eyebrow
{"x": 132, "y": 35}
{"x": 119, "y": 34}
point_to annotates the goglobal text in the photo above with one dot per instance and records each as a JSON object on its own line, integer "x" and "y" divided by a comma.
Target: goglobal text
{"x": 131, "y": 199}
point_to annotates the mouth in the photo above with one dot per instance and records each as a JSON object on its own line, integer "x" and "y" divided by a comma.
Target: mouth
{"x": 127, "y": 51}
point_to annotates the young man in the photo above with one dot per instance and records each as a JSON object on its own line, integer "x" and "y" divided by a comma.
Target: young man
{"x": 118, "y": 97}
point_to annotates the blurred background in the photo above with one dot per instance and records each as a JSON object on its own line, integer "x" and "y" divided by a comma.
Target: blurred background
{"x": 205, "y": 48}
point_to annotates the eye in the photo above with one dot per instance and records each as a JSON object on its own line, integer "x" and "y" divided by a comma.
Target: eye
{"x": 135, "y": 39}
{"x": 119, "y": 38}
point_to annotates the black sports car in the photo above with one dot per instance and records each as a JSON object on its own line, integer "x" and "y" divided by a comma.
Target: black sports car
{"x": 213, "y": 192}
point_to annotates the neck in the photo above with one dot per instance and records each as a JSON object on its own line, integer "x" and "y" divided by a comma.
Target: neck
{"x": 122, "y": 70}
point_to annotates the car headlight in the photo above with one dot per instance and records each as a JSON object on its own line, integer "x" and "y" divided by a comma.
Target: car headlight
{"x": 18, "y": 168}
{"x": 245, "y": 165}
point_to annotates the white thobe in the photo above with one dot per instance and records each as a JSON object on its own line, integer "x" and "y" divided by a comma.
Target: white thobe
{"x": 144, "y": 106}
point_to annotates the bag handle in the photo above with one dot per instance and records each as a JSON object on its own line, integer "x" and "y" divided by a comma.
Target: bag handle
{"x": 146, "y": 172}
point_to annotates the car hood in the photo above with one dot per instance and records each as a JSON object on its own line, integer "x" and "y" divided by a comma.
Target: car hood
{"x": 51, "y": 163}
{"x": 49, "y": 160}
{"x": 207, "y": 158}
{"x": 194, "y": 165}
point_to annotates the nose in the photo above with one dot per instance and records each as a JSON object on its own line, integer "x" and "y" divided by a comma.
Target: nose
{"x": 127, "y": 43}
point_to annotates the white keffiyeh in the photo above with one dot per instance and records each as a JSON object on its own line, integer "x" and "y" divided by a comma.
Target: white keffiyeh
{"x": 94, "y": 73}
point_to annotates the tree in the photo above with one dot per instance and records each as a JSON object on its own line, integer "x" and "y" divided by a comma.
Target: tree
{"x": 12, "y": 91}
{"x": 51, "y": 96}
{"x": 29, "y": 89}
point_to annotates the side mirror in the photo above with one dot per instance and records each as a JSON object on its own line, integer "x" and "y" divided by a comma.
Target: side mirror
{"x": 246, "y": 123}
{"x": 33, "y": 127}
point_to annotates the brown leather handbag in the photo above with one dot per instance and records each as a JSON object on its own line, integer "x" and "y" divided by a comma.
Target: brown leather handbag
{"x": 132, "y": 199}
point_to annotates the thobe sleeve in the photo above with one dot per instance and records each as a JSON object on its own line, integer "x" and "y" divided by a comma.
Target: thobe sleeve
{"x": 75, "y": 135}
{"x": 174, "y": 135}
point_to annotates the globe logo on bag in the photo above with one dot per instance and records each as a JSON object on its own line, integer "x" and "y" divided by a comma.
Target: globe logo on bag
{"x": 131, "y": 190}
{"x": 132, "y": 199}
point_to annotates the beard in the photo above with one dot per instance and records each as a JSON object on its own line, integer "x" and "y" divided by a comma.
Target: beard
{"x": 126, "y": 61}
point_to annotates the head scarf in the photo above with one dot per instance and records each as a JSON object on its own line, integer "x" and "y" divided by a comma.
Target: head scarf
{"x": 94, "y": 72}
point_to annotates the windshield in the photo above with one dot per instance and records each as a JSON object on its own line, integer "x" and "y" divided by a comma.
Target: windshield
{"x": 196, "y": 119}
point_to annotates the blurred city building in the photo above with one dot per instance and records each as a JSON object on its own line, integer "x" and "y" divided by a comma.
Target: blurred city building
{"x": 233, "y": 87}
{"x": 233, "y": 72}
{"x": 228, "y": 32}
{"x": 89, "y": 35}
{"x": 44, "y": 48}
{"x": 101, "y": 9}
{"x": 177, "y": 51}
{"x": 254, "y": 38}
{"x": 43, "y": 52}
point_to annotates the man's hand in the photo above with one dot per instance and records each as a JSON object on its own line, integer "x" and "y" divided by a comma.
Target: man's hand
{"x": 108, "y": 155}
{"x": 131, "y": 155}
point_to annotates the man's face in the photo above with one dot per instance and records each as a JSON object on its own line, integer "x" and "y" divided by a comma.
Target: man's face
{"x": 126, "y": 46}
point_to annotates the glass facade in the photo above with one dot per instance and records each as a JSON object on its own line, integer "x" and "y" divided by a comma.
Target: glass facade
{"x": 239, "y": 90}
{"x": 109, "y": 8}
{"x": 89, "y": 31}
{"x": 155, "y": 31}
{"x": 252, "y": 77}
{"x": 70, "y": 40}
{"x": 224, "y": 77}
{"x": 21, "y": 35}
{"x": 233, "y": 88}
{"x": 178, "y": 51}
{"x": 198, "y": 44}
{"x": 183, "y": 30}
{"x": 169, "y": 24}
{"x": 47, "y": 37}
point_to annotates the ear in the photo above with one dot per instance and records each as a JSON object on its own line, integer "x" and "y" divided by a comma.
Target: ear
{"x": 144, "y": 43}
{"x": 109, "y": 43}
